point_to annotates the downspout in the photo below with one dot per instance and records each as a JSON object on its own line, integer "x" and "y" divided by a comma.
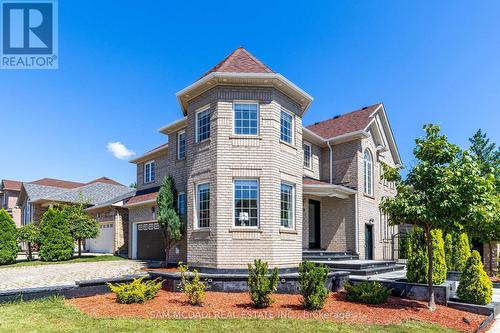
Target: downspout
{"x": 356, "y": 225}
{"x": 331, "y": 161}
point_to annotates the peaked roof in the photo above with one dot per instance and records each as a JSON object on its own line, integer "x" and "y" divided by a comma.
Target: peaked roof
{"x": 240, "y": 61}
{"x": 12, "y": 185}
{"x": 347, "y": 123}
{"x": 56, "y": 183}
{"x": 104, "y": 180}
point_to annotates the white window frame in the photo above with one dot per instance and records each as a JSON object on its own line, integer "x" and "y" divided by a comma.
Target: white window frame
{"x": 234, "y": 117}
{"x": 305, "y": 143}
{"x": 185, "y": 203}
{"x": 368, "y": 188}
{"x": 197, "y": 225}
{"x": 258, "y": 204}
{"x": 152, "y": 175}
{"x": 293, "y": 203}
{"x": 179, "y": 146}
{"x": 292, "y": 127}
{"x": 197, "y": 131}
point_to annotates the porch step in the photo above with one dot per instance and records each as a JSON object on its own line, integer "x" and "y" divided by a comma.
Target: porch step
{"x": 362, "y": 267}
{"x": 313, "y": 255}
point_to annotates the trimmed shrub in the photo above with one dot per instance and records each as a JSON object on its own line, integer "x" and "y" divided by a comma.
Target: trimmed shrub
{"x": 418, "y": 263}
{"x": 457, "y": 251}
{"x": 56, "y": 242}
{"x": 194, "y": 289}
{"x": 137, "y": 291}
{"x": 312, "y": 280}
{"x": 262, "y": 285}
{"x": 30, "y": 234}
{"x": 367, "y": 292}
{"x": 8, "y": 239}
{"x": 475, "y": 285}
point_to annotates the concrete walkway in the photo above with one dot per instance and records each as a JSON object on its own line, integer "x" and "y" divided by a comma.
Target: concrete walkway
{"x": 65, "y": 274}
{"x": 495, "y": 328}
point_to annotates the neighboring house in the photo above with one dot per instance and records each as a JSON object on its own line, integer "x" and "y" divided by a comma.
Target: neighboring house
{"x": 9, "y": 192}
{"x": 103, "y": 194}
{"x": 254, "y": 183}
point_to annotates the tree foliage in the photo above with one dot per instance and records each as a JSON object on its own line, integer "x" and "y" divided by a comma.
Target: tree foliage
{"x": 443, "y": 190}
{"x": 457, "y": 250}
{"x": 418, "y": 259}
{"x": 8, "y": 239}
{"x": 81, "y": 224}
{"x": 30, "y": 234}
{"x": 487, "y": 154}
{"x": 167, "y": 214}
{"x": 56, "y": 242}
{"x": 475, "y": 285}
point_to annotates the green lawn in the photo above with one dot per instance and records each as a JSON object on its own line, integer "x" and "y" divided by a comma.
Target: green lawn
{"x": 53, "y": 316}
{"x": 84, "y": 258}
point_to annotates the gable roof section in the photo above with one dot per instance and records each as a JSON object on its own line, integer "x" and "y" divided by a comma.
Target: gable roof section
{"x": 56, "y": 183}
{"x": 147, "y": 155}
{"x": 347, "y": 123}
{"x": 11, "y": 185}
{"x": 240, "y": 61}
{"x": 104, "y": 180}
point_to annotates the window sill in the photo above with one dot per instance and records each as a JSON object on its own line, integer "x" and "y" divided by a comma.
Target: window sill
{"x": 201, "y": 230}
{"x": 288, "y": 144}
{"x": 245, "y": 229}
{"x": 288, "y": 231}
{"x": 245, "y": 136}
{"x": 369, "y": 196}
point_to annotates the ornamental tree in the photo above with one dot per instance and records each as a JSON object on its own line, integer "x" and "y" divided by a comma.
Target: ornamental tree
{"x": 8, "y": 239}
{"x": 443, "y": 190}
{"x": 81, "y": 225}
{"x": 167, "y": 214}
{"x": 30, "y": 234}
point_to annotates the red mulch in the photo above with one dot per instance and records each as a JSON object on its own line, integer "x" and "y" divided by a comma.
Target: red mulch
{"x": 172, "y": 305}
{"x": 495, "y": 278}
{"x": 162, "y": 269}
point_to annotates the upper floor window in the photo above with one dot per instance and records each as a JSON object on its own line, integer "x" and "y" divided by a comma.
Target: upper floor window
{"x": 368, "y": 172}
{"x": 202, "y": 125}
{"x": 246, "y": 117}
{"x": 307, "y": 154}
{"x": 286, "y": 127}
{"x": 181, "y": 204}
{"x": 149, "y": 172}
{"x": 246, "y": 203}
{"x": 203, "y": 195}
{"x": 287, "y": 199}
{"x": 181, "y": 145}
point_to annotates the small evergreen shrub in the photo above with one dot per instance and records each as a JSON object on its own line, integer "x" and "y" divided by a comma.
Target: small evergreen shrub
{"x": 312, "y": 280}
{"x": 457, "y": 251}
{"x": 261, "y": 285}
{"x": 418, "y": 264}
{"x": 475, "y": 285}
{"x": 137, "y": 291}
{"x": 56, "y": 242}
{"x": 194, "y": 289}
{"x": 367, "y": 292}
{"x": 8, "y": 239}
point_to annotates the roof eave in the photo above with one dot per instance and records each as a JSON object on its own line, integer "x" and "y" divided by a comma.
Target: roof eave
{"x": 173, "y": 126}
{"x": 148, "y": 155}
{"x": 142, "y": 203}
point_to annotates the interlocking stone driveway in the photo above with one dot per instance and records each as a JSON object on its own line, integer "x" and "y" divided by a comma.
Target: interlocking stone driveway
{"x": 65, "y": 274}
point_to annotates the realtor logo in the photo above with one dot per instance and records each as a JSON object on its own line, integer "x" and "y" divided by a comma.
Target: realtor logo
{"x": 29, "y": 34}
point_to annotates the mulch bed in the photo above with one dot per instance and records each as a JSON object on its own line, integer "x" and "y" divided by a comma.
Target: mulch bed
{"x": 495, "y": 278}
{"x": 162, "y": 269}
{"x": 218, "y": 305}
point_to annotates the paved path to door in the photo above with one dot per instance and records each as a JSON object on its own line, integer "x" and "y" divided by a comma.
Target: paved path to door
{"x": 65, "y": 274}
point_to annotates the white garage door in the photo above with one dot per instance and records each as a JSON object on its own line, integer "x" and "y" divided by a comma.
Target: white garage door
{"x": 104, "y": 242}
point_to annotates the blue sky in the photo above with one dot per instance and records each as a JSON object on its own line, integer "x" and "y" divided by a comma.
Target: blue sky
{"x": 121, "y": 64}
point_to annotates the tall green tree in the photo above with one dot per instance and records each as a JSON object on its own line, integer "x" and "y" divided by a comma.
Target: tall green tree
{"x": 443, "y": 190}
{"x": 29, "y": 233}
{"x": 487, "y": 154}
{"x": 167, "y": 214}
{"x": 56, "y": 243}
{"x": 81, "y": 224}
{"x": 8, "y": 239}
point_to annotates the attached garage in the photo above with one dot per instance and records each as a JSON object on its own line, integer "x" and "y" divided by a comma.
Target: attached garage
{"x": 150, "y": 243}
{"x": 104, "y": 242}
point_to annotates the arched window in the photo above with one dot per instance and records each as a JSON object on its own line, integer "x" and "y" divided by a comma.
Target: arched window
{"x": 368, "y": 172}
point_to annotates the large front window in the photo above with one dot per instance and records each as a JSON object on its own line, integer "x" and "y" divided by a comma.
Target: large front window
{"x": 149, "y": 172}
{"x": 181, "y": 145}
{"x": 368, "y": 172}
{"x": 203, "y": 194}
{"x": 203, "y": 125}
{"x": 286, "y": 205}
{"x": 246, "y": 118}
{"x": 307, "y": 155}
{"x": 286, "y": 127}
{"x": 181, "y": 204}
{"x": 246, "y": 203}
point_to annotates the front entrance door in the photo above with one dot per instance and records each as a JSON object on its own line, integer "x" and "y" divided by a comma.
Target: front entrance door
{"x": 314, "y": 224}
{"x": 368, "y": 242}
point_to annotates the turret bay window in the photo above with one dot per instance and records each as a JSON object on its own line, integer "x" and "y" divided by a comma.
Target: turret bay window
{"x": 149, "y": 172}
{"x": 368, "y": 172}
{"x": 246, "y": 203}
{"x": 307, "y": 155}
{"x": 287, "y": 205}
{"x": 203, "y": 198}
{"x": 202, "y": 125}
{"x": 286, "y": 127}
{"x": 181, "y": 145}
{"x": 246, "y": 117}
{"x": 181, "y": 204}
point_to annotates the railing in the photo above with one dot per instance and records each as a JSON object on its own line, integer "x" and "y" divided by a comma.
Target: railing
{"x": 396, "y": 248}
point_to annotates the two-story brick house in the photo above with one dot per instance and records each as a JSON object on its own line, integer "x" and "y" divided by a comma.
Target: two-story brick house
{"x": 254, "y": 183}
{"x": 9, "y": 192}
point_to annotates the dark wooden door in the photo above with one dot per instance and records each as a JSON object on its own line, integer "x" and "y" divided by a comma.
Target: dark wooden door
{"x": 314, "y": 224}
{"x": 368, "y": 242}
